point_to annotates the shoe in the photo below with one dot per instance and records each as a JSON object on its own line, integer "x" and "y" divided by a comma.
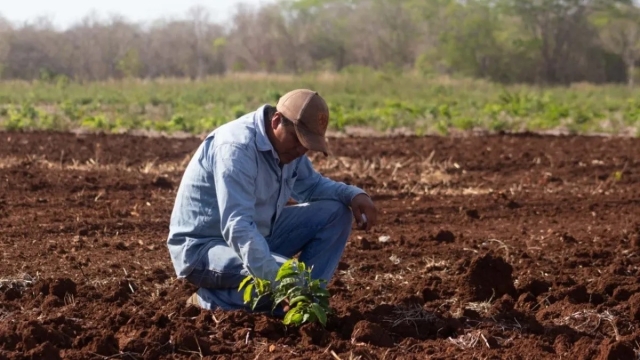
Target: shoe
{"x": 193, "y": 300}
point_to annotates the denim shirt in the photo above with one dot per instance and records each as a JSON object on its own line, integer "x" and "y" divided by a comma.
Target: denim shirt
{"x": 234, "y": 189}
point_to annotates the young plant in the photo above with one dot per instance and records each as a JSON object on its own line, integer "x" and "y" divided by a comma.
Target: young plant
{"x": 308, "y": 301}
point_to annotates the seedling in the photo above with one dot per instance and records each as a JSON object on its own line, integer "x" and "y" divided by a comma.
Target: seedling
{"x": 308, "y": 302}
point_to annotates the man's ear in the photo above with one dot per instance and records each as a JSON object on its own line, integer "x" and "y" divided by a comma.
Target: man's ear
{"x": 276, "y": 120}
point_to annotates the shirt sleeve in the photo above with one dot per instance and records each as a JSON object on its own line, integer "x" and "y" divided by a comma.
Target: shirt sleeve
{"x": 312, "y": 186}
{"x": 235, "y": 175}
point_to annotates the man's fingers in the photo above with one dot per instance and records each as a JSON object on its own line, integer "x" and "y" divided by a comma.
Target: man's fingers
{"x": 366, "y": 224}
{"x": 371, "y": 220}
{"x": 358, "y": 216}
{"x": 364, "y": 212}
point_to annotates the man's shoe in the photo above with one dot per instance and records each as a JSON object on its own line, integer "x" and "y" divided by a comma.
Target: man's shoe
{"x": 193, "y": 300}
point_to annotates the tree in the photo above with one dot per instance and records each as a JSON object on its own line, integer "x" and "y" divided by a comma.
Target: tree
{"x": 619, "y": 26}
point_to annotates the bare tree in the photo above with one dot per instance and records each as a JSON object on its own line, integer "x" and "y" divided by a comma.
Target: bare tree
{"x": 199, "y": 17}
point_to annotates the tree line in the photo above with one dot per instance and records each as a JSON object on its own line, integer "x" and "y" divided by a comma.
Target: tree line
{"x": 508, "y": 41}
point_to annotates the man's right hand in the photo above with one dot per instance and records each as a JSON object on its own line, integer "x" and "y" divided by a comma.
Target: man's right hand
{"x": 285, "y": 305}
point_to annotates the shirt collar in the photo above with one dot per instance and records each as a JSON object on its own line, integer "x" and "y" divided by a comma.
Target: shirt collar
{"x": 262, "y": 140}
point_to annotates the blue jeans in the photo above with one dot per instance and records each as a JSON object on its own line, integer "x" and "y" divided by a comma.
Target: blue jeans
{"x": 318, "y": 231}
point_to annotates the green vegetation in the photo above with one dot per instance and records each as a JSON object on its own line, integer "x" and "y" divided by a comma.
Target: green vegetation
{"x": 357, "y": 97}
{"x": 308, "y": 301}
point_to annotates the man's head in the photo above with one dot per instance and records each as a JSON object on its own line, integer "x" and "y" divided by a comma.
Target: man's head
{"x": 299, "y": 124}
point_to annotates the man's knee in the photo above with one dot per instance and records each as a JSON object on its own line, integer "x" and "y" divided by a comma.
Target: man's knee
{"x": 340, "y": 214}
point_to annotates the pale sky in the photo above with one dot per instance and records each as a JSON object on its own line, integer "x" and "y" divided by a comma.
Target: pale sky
{"x": 65, "y": 12}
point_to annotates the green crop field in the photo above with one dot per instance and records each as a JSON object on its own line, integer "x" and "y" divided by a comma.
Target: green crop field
{"x": 358, "y": 97}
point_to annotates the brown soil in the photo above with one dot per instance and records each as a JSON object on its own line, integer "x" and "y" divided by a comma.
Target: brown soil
{"x": 506, "y": 246}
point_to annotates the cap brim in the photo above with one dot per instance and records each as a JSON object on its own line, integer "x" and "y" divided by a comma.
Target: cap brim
{"x": 312, "y": 141}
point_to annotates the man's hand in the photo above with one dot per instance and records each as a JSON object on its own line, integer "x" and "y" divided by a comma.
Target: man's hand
{"x": 285, "y": 305}
{"x": 363, "y": 205}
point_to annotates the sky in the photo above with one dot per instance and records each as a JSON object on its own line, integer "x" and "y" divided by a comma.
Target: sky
{"x": 64, "y": 13}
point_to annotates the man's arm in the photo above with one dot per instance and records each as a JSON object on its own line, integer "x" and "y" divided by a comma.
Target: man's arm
{"x": 311, "y": 186}
{"x": 234, "y": 172}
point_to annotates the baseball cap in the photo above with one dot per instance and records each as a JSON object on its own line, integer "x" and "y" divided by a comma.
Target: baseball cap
{"x": 310, "y": 115}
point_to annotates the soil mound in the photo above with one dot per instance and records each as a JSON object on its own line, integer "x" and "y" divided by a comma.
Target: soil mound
{"x": 487, "y": 278}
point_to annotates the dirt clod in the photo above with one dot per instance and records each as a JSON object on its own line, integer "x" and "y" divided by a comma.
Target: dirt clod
{"x": 445, "y": 236}
{"x": 487, "y": 277}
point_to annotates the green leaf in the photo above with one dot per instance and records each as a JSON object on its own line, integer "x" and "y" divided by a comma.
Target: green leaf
{"x": 298, "y": 299}
{"x": 320, "y": 292}
{"x": 324, "y": 302}
{"x": 288, "y": 263}
{"x": 297, "y": 318}
{"x": 247, "y": 293}
{"x": 244, "y": 282}
{"x": 263, "y": 286}
{"x": 278, "y": 299}
{"x": 289, "y": 316}
{"x": 320, "y": 313}
{"x": 255, "y": 301}
{"x": 301, "y": 266}
{"x": 288, "y": 281}
{"x": 294, "y": 292}
{"x": 311, "y": 318}
{"x": 285, "y": 273}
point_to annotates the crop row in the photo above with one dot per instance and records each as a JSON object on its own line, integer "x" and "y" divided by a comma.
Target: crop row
{"x": 381, "y": 101}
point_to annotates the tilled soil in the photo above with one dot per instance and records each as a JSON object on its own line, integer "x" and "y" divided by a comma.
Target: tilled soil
{"x": 505, "y": 246}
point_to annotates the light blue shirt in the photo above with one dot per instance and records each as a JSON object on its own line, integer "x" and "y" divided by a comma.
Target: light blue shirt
{"x": 234, "y": 189}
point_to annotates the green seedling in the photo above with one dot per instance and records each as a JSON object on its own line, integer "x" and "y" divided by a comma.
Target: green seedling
{"x": 308, "y": 301}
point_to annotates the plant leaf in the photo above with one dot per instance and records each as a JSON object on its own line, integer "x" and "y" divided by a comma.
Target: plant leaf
{"x": 255, "y": 301}
{"x": 244, "y": 282}
{"x": 324, "y": 302}
{"x": 297, "y": 318}
{"x": 298, "y": 299}
{"x": 320, "y": 292}
{"x": 312, "y": 317}
{"x": 320, "y": 313}
{"x": 285, "y": 272}
{"x": 294, "y": 292}
{"x": 247, "y": 293}
{"x": 278, "y": 299}
{"x": 263, "y": 286}
{"x": 288, "y": 281}
{"x": 287, "y": 317}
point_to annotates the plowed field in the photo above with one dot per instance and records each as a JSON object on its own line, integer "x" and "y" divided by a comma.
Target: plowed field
{"x": 505, "y": 247}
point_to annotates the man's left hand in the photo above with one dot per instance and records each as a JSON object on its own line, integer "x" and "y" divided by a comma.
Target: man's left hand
{"x": 362, "y": 204}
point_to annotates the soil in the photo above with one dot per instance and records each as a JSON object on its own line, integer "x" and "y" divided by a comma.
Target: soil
{"x": 494, "y": 246}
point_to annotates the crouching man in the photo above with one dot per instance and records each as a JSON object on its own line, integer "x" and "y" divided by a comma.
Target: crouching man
{"x": 231, "y": 219}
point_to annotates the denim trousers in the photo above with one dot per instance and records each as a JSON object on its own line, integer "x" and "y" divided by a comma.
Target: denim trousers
{"x": 317, "y": 230}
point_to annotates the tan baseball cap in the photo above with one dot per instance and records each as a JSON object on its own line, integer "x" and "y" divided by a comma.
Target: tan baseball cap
{"x": 310, "y": 115}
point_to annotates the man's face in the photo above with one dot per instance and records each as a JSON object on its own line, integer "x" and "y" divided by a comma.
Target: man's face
{"x": 286, "y": 142}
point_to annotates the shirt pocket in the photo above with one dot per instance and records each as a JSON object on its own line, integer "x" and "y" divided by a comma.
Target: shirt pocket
{"x": 292, "y": 179}
{"x": 290, "y": 183}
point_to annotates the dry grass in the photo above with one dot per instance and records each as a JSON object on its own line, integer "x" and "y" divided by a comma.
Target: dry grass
{"x": 590, "y": 321}
{"x": 410, "y": 315}
{"x": 431, "y": 264}
{"x": 152, "y": 167}
{"x": 416, "y": 175}
{"x": 481, "y": 307}
{"x": 467, "y": 341}
{"x": 19, "y": 282}
{"x": 413, "y": 175}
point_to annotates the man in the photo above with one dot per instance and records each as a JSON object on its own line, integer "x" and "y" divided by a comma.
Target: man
{"x": 231, "y": 218}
